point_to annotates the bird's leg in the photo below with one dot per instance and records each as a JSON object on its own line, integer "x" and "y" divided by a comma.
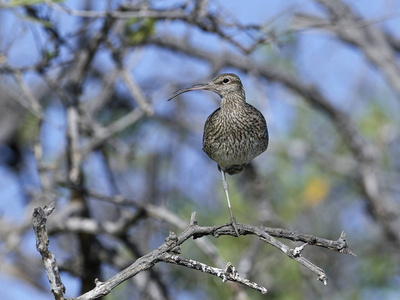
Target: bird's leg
{"x": 225, "y": 187}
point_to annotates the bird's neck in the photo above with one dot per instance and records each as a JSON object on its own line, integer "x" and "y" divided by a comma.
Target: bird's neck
{"x": 233, "y": 101}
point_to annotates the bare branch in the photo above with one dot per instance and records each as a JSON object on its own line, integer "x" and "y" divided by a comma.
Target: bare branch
{"x": 229, "y": 273}
{"x": 102, "y": 134}
{"x": 34, "y": 104}
{"x": 375, "y": 44}
{"x": 42, "y": 245}
{"x": 172, "y": 244}
{"x": 74, "y": 153}
{"x": 136, "y": 91}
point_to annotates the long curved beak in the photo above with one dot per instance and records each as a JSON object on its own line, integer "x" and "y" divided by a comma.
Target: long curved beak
{"x": 196, "y": 87}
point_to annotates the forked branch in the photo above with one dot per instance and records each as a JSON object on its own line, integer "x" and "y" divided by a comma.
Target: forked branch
{"x": 169, "y": 252}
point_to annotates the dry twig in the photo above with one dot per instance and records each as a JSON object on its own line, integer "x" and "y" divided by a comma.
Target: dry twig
{"x": 42, "y": 245}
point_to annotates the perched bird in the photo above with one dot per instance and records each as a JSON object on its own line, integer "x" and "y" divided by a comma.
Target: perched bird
{"x": 235, "y": 133}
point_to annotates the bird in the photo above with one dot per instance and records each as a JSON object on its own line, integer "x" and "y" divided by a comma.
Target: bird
{"x": 235, "y": 133}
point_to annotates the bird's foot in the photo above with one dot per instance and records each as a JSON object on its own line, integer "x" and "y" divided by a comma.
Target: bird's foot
{"x": 231, "y": 223}
{"x": 234, "y": 225}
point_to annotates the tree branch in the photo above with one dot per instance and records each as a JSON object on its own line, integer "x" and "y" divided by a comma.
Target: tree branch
{"x": 350, "y": 28}
{"x": 39, "y": 219}
{"x": 172, "y": 245}
{"x": 229, "y": 273}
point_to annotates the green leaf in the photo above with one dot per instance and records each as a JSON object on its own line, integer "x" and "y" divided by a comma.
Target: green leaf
{"x": 137, "y": 30}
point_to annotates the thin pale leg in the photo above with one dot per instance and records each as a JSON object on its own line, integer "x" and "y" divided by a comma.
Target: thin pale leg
{"x": 226, "y": 187}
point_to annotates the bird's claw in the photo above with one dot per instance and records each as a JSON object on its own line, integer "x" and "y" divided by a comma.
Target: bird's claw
{"x": 234, "y": 225}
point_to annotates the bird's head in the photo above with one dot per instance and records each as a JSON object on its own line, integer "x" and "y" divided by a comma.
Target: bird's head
{"x": 223, "y": 85}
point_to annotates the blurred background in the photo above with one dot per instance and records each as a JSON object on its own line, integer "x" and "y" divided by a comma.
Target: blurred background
{"x": 84, "y": 122}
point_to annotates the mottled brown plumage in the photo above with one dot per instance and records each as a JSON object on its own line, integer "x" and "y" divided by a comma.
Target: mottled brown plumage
{"x": 235, "y": 133}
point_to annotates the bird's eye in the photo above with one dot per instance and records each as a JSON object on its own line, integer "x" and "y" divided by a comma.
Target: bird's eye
{"x": 226, "y": 80}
